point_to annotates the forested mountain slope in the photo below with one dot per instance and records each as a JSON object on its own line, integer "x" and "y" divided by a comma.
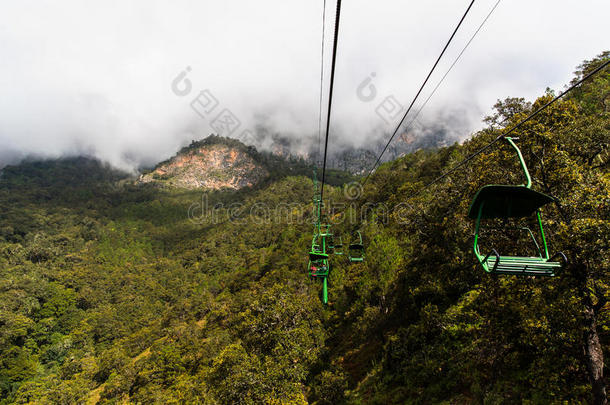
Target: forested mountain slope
{"x": 113, "y": 292}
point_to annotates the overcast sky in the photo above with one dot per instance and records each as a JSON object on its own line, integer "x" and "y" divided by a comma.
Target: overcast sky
{"x": 96, "y": 76}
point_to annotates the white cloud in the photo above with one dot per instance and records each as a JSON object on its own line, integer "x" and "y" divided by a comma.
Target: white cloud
{"x": 95, "y": 76}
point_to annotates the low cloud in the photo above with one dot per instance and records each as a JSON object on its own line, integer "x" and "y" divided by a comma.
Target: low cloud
{"x": 96, "y": 77}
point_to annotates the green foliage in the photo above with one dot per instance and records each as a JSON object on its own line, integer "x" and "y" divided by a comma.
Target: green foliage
{"x": 110, "y": 294}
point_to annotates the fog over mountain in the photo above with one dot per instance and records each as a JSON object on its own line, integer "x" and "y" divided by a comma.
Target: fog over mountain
{"x": 131, "y": 82}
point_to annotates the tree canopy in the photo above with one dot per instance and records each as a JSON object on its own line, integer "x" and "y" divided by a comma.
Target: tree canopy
{"x": 110, "y": 293}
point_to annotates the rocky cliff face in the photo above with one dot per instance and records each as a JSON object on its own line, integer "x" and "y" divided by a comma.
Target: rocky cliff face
{"x": 208, "y": 164}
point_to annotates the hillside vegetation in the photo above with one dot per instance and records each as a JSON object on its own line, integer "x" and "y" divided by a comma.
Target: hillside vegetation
{"x": 113, "y": 292}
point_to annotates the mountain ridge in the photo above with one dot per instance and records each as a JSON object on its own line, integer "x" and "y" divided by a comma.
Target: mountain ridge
{"x": 212, "y": 163}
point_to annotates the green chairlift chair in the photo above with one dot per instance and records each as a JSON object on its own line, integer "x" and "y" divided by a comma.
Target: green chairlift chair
{"x": 338, "y": 246}
{"x": 509, "y": 201}
{"x": 356, "y": 249}
{"x": 319, "y": 266}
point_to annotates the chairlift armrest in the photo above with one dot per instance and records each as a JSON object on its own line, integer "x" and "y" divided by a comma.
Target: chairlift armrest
{"x": 495, "y": 253}
{"x": 560, "y": 255}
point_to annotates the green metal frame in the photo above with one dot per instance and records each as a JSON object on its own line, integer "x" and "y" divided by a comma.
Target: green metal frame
{"x": 543, "y": 265}
{"x": 319, "y": 265}
{"x": 321, "y": 244}
{"x": 528, "y": 184}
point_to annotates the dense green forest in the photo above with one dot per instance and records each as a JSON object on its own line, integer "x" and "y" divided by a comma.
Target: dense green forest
{"x": 111, "y": 292}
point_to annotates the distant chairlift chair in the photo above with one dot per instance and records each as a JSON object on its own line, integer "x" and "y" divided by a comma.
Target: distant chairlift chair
{"x": 338, "y": 246}
{"x": 510, "y": 201}
{"x": 356, "y": 249}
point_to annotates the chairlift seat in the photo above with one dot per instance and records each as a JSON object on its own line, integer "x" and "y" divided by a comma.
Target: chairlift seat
{"x": 524, "y": 266}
